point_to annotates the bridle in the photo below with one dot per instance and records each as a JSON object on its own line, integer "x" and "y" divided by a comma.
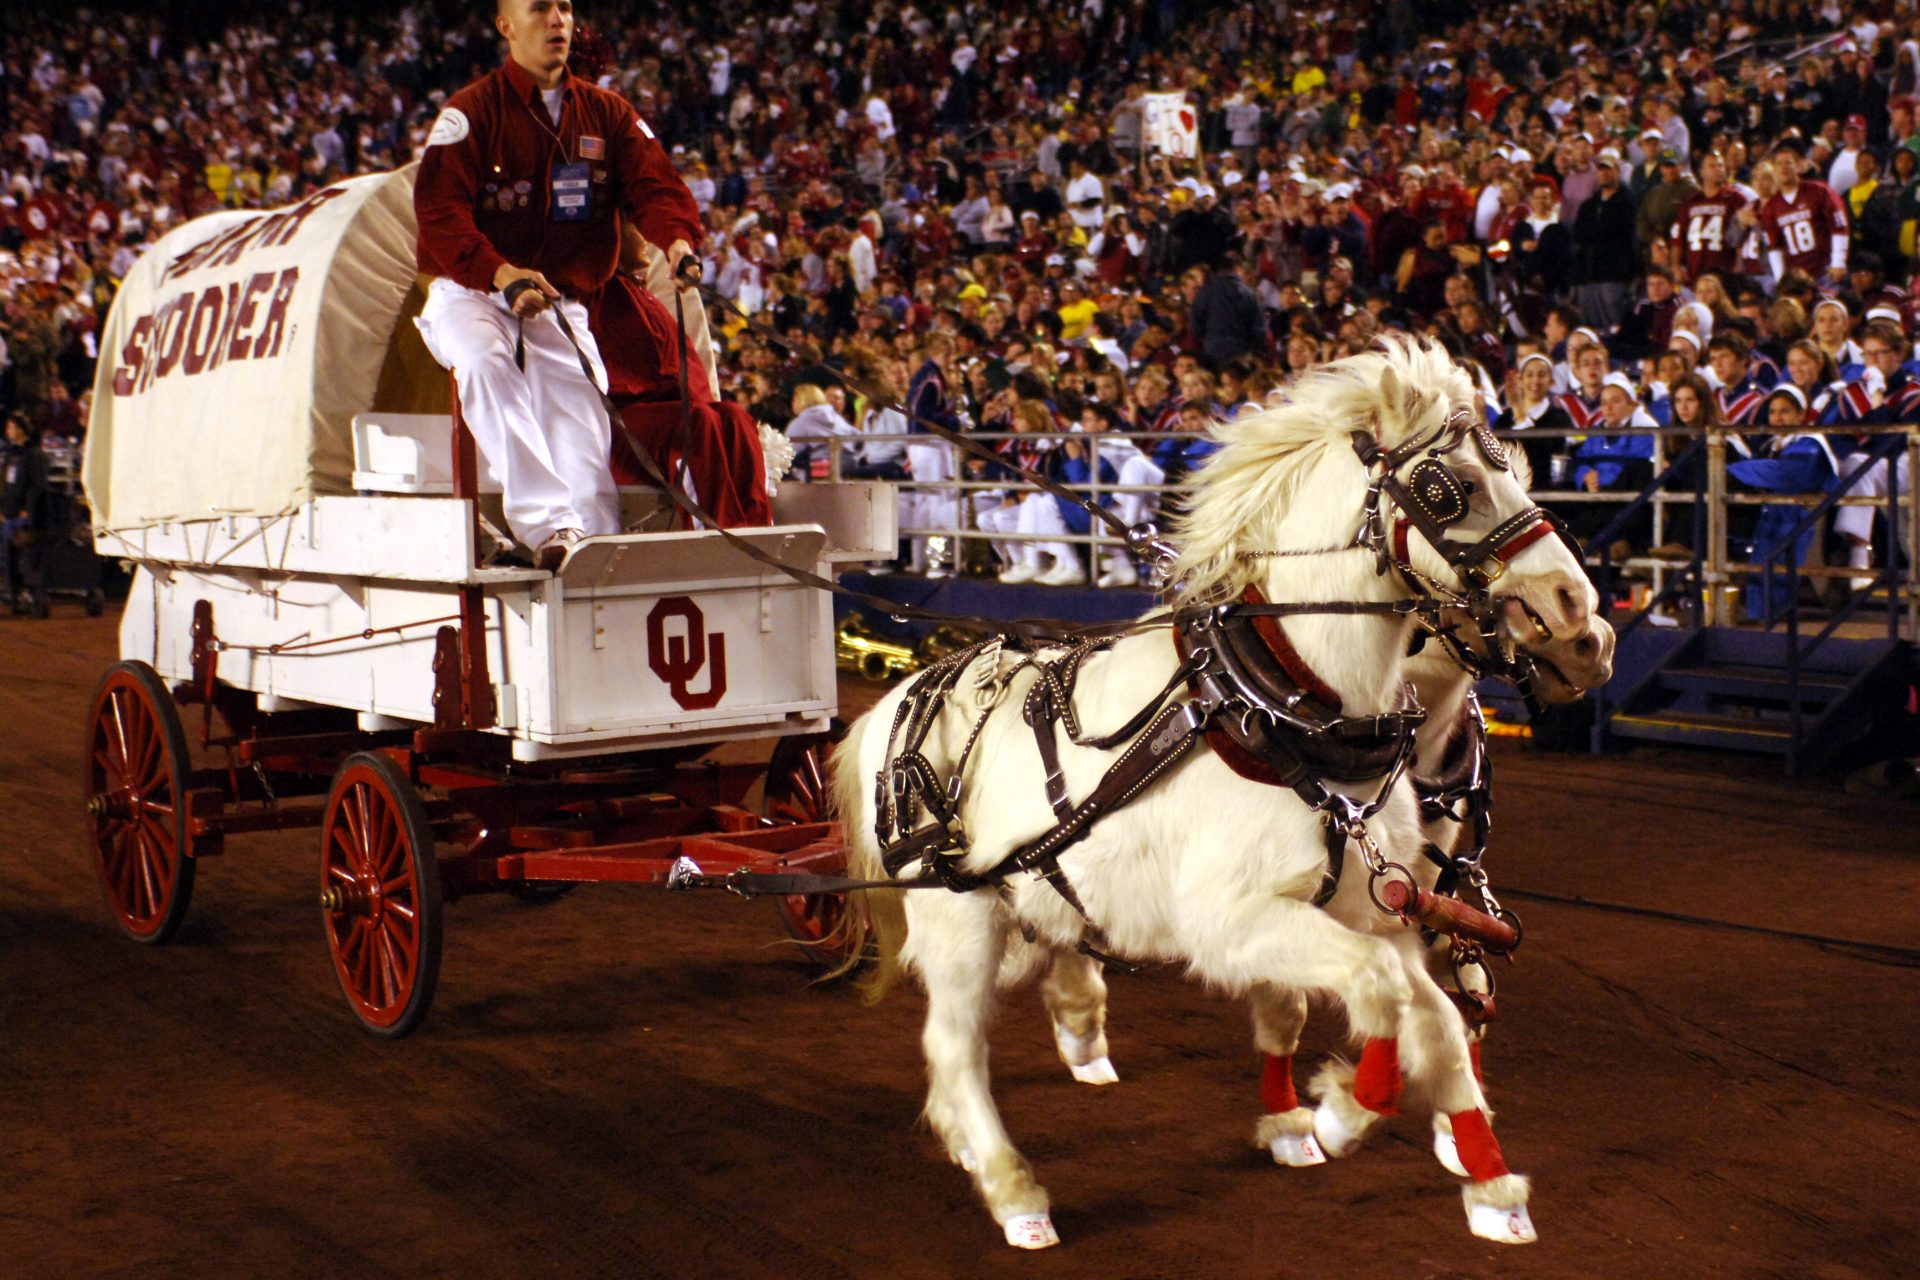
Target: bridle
{"x": 1432, "y": 498}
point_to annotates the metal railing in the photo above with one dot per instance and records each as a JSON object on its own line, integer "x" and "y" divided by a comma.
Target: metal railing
{"x": 1707, "y": 580}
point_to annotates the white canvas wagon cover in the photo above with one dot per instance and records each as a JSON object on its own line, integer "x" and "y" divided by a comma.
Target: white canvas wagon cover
{"x": 239, "y": 349}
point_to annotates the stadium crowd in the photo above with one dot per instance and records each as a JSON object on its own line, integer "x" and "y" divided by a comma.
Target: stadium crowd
{"x": 1621, "y": 214}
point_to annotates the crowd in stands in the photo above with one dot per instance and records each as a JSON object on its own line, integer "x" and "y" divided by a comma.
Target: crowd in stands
{"x": 1620, "y": 214}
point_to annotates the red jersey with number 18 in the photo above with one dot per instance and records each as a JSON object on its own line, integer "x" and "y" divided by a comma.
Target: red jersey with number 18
{"x": 1705, "y": 233}
{"x": 1804, "y": 228}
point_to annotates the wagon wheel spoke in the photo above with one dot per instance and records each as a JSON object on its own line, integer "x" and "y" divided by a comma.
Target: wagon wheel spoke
{"x": 389, "y": 970}
{"x": 146, "y": 762}
{"x": 402, "y": 943}
{"x": 118, "y": 741}
{"x": 393, "y": 842}
{"x": 403, "y": 910}
{"x": 149, "y": 887}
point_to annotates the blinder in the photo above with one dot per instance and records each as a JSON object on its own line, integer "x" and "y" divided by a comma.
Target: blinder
{"x": 1437, "y": 492}
{"x": 1433, "y": 498}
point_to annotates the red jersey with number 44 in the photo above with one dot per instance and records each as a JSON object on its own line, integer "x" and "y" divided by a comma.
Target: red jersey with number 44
{"x": 1704, "y": 232}
{"x": 1803, "y": 228}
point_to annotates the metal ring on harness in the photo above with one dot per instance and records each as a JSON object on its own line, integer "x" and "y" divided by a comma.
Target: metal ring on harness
{"x": 1512, "y": 921}
{"x": 1386, "y": 873}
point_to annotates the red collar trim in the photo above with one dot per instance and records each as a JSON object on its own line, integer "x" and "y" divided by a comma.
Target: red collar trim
{"x": 1268, "y": 629}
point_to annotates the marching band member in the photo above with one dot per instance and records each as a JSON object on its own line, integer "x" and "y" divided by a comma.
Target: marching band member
{"x": 524, "y": 183}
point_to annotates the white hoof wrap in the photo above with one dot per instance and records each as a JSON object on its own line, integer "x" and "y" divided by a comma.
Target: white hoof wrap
{"x": 1502, "y": 1226}
{"x": 1336, "y": 1137}
{"x": 1445, "y": 1149}
{"x": 1288, "y": 1137}
{"x": 1099, "y": 1071}
{"x": 1497, "y": 1209}
{"x": 1297, "y": 1151}
{"x": 1031, "y": 1231}
{"x": 1339, "y": 1122}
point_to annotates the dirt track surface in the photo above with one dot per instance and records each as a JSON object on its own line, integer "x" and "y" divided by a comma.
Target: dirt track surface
{"x": 624, "y": 1084}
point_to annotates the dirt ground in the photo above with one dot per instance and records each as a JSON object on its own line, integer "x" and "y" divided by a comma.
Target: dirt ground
{"x": 626, "y": 1084}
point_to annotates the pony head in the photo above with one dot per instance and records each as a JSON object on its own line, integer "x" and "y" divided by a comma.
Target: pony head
{"x": 1290, "y": 479}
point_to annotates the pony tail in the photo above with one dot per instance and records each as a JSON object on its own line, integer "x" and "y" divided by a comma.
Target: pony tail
{"x": 876, "y": 920}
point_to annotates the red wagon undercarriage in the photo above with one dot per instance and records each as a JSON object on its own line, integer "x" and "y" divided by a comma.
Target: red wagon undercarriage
{"x": 411, "y": 821}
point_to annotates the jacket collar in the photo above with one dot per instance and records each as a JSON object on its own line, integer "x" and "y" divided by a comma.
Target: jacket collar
{"x": 526, "y": 88}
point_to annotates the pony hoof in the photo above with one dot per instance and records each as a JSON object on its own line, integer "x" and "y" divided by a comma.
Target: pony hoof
{"x": 1501, "y": 1225}
{"x": 1445, "y": 1149}
{"x": 1035, "y": 1231}
{"x": 1335, "y": 1137}
{"x": 1099, "y": 1071}
{"x": 1296, "y": 1150}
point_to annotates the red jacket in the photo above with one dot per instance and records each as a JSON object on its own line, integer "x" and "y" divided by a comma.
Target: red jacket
{"x": 483, "y": 193}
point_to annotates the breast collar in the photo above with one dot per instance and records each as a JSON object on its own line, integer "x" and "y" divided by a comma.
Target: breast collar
{"x": 1275, "y": 720}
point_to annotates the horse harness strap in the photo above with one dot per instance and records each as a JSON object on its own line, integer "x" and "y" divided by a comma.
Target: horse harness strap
{"x": 1252, "y": 696}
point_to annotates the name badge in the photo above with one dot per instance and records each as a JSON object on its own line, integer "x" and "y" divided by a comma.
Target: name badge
{"x": 572, "y": 186}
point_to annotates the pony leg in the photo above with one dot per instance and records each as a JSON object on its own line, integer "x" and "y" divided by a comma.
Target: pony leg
{"x": 1436, "y": 1054}
{"x": 955, "y": 943}
{"x": 1445, "y": 1148}
{"x": 1286, "y": 1128}
{"x": 1295, "y": 946}
{"x": 1076, "y": 997}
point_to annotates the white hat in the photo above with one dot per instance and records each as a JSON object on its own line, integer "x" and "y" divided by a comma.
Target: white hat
{"x": 1687, "y": 336}
{"x": 1338, "y": 191}
{"x": 1413, "y": 170}
{"x": 1788, "y": 389}
{"x": 1623, "y": 382}
{"x": 1520, "y": 155}
{"x": 1609, "y": 157}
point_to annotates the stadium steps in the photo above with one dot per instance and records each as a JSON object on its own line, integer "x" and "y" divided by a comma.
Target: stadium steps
{"x": 1729, "y": 689}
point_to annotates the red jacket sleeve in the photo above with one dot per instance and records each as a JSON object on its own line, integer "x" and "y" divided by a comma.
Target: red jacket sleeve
{"x": 444, "y": 194}
{"x": 651, "y": 192}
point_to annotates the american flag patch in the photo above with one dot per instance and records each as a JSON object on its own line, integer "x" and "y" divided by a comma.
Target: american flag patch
{"x": 592, "y": 148}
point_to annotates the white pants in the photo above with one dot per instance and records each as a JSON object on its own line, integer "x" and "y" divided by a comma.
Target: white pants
{"x": 544, "y": 432}
{"x": 1132, "y": 508}
{"x": 1037, "y": 516}
{"x": 1857, "y": 522}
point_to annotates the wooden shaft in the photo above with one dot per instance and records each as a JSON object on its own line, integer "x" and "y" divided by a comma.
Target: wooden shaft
{"x": 1448, "y": 915}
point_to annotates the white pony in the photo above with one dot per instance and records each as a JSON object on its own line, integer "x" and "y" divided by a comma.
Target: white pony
{"x": 1204, "y": 867}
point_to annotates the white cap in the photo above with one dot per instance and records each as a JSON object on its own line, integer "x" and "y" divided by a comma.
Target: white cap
{"x": 1623, "y": 382}
{"x": 1608, "y": 157}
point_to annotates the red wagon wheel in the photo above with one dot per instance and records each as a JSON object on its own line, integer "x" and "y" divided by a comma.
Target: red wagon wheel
{"x": 380, "y": 895}
{"x": 797, "y": 790}
{"x": 136, "y": 778}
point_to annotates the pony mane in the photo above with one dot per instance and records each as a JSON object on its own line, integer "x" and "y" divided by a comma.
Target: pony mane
{"x": 1403, "y": 388}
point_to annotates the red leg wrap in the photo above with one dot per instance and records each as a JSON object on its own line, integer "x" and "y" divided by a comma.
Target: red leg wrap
{"x": 1376, "y": 1085}
{"x": 1473, "y": 1055}
{"x": 1276, "y": 1085}
{"x": 1479, "y": 1152}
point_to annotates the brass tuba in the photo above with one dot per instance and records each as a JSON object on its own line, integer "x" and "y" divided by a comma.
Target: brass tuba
{"x": 857, "y": 649}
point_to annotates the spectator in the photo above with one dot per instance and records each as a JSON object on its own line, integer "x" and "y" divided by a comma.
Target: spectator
{"x": 1603, "y": 246}
{"x": 1226, "y": 317}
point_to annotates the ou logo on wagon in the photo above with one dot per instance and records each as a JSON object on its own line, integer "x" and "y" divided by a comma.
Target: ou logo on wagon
{"x": 678, "y": 658}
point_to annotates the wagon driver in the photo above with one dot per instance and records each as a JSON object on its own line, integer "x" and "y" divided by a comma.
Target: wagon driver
{"x": 527, "y": 175}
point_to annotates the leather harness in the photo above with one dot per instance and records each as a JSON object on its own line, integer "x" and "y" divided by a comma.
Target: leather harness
{"x": 1261, "y": 708}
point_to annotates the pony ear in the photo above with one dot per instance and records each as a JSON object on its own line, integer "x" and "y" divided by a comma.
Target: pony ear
{"x": 1392, "y": 397}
